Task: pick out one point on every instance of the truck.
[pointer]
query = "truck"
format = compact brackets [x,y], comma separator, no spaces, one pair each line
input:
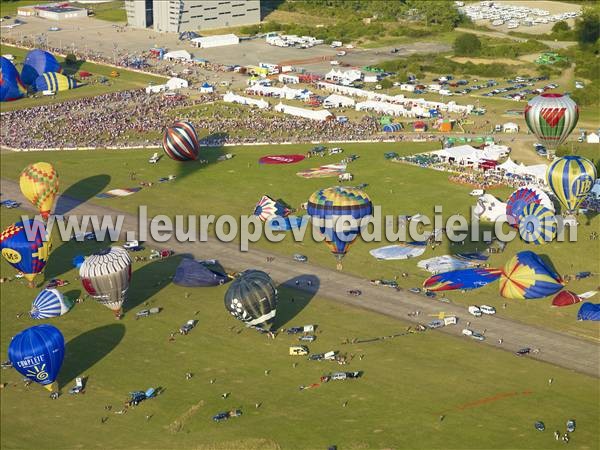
[451,320]
[475,311]
[298,350]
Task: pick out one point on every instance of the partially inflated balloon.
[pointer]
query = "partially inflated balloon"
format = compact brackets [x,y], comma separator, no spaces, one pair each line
[106,275]
[252,298]
[36,63]
[37,353]
[527,276]
[551,117]
[11,86]
[338,212]
[50,303]
[180,142]
[521,198]
[39,185]
[26,247]
[571,178]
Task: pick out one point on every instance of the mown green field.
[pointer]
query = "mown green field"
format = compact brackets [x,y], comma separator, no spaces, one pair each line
[421,390]
[234,186]
[127,80]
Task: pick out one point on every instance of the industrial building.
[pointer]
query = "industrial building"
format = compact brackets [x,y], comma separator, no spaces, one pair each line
[177,16]
[53,11]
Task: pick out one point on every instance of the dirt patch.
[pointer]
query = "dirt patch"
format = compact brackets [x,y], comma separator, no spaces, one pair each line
[495,398]
[177,425]
[465,59]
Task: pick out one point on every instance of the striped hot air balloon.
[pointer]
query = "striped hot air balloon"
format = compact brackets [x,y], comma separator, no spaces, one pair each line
[571,178]
[252,298]
[537,224]
[106,275]
[55,82]
[527,276]
[39,185]
[268,208]
[519,199]
[50,303]
[180,142]
[337,212]
[551,117]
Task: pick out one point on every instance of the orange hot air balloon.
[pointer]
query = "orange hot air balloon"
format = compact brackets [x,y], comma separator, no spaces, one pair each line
[39,185]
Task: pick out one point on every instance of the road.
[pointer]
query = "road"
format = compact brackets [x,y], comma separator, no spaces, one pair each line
[556,348]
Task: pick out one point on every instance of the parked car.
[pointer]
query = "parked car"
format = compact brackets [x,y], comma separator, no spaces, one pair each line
[467,332]
[474,310]
[188,326]
[56,282]
[389,283]
[307,338]
[355,292]
[415,290]
[298,350]
[437,323]
[486,309]
[339,376]
[478,336]
[523,351]
[299,258]
[10,204]
[295,330]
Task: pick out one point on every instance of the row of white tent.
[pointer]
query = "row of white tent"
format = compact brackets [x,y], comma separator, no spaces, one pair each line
[395,99]
[230,97]
[537,171]
[280,92]
[319,115]
[467,155]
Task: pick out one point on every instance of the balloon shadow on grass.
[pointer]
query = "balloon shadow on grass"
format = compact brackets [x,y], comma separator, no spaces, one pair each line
[87,349]
[80,192]
[61,259]
[294,295]
[150,279]
[211,149]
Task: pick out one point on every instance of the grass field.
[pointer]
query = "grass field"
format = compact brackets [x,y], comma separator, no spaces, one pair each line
[111,11]
[488,398]
[234,186]
[127,80]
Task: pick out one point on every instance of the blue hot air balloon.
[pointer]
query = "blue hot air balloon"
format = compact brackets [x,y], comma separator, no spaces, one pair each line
[77,261]
[37,353]
[36,63]
[27,254]
[471,278]
[11,86]
[50,303]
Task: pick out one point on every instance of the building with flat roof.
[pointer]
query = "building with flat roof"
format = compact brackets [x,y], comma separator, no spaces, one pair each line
[177,16]
[53,11]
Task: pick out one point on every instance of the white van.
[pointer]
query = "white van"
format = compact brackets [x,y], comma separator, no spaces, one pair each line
[339,376]
[451,320]
[475,311]
[486,309]
[467,332]
[48,93]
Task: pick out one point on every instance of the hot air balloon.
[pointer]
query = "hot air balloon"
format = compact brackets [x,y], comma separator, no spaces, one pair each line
[565,298]
[37,353]
[337,212]
[50,303]
[27,254]
[180,142]
[39,185]
[519,199]
[11,86]
[551,117]
[252,298]
[472,278]
[55,82]
[589,311]
[106,275]
[527,276]
[571,178]
[537,224]
[267,208]
[36,63]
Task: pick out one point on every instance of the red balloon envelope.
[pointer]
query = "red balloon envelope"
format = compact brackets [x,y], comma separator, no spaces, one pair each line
[281,159]
[565,298]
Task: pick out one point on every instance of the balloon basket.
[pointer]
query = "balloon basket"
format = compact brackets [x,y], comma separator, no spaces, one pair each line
[119,314]
[31,284]
[339,266]
[52,387]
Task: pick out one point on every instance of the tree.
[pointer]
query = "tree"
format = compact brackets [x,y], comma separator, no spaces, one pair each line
[70,59]
[467,44]
[560,27]
[587,27]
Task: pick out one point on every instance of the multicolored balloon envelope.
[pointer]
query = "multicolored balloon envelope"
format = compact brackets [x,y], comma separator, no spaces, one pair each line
[106,275]
[537,224]
[37,353]
[519,199]
[281,159]
[39,185]
[26,247]
[287,223]
[36,63]
[461,279]
[337,212]
[50,303]
[551,117]
[252,298]
[527,276]
[180,142]
[267,208]
[11,86]
[565,298]
[571,178]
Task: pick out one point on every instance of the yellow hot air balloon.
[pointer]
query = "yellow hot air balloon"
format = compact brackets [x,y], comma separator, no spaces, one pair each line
[39,185]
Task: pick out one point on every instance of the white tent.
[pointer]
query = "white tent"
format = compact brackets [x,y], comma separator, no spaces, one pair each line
[463,154]
[537,171]
[230,97]
[592,138]
[288,78]
[178,55]
[319,115]
[510,127]
[509,166]
[495,152]
[338,101]
[207,88]
[489,208]
[218,40]
[176,83]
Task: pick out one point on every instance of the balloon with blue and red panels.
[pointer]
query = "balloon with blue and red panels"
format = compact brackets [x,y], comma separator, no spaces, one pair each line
[527,276]
[472,278]
[37,353]
[519,199]
[26,246]
[180,142]
[267,208]
[338,213]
